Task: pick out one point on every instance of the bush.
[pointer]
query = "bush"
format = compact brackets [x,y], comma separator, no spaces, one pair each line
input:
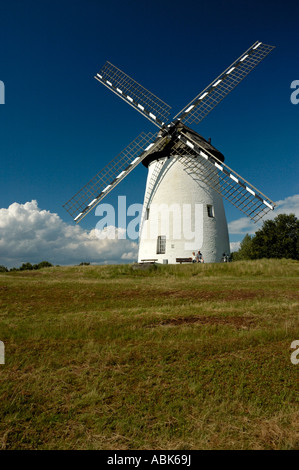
[26,267]
[44,264]
[30,267]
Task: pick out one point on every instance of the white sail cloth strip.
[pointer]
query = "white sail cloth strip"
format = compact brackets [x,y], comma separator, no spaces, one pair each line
[222,178]
[148,104]
[207,99]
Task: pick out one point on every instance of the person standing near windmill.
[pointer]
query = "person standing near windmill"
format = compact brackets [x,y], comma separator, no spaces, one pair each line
[199,257]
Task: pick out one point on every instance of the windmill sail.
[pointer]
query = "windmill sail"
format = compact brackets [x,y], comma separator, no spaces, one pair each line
[208,168]
[134,94]
[109,177]
[203,103]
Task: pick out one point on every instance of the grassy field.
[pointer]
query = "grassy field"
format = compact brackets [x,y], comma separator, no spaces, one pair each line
[174,357]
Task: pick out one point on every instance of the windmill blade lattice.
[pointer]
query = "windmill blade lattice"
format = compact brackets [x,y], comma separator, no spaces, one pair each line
[106,180]
[221,178]
[134,94]
[203,103]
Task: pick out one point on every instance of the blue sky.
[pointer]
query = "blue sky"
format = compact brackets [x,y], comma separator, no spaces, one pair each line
[59,126]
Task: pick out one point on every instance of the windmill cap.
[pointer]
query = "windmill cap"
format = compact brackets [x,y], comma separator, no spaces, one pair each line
[166,151]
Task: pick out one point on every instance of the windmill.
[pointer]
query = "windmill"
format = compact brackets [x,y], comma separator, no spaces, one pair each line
[187,175]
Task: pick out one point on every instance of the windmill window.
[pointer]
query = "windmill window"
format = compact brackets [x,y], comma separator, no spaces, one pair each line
[161,244]
[147,213]
[210,210]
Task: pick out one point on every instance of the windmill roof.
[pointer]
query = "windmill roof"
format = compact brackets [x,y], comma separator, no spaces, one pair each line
[166,151]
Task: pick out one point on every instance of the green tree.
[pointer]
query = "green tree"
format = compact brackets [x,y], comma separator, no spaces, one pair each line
[26,267]
[3,269]
[277,238]
[44,264]
[244,250]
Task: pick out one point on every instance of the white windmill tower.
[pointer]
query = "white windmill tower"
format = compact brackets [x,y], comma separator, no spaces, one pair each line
[187,177]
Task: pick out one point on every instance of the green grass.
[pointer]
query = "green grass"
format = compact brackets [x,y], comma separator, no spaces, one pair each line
[174,357]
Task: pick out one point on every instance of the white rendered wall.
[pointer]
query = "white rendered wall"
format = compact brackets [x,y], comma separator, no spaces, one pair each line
[181,193]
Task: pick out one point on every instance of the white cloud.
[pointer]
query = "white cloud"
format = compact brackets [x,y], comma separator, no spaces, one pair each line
[242,226]
[29,234]
[128,256]
[289,205]
[234,246]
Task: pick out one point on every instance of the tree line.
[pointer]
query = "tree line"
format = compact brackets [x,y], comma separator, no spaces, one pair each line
[27,267]
[30,267]
[278,238]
